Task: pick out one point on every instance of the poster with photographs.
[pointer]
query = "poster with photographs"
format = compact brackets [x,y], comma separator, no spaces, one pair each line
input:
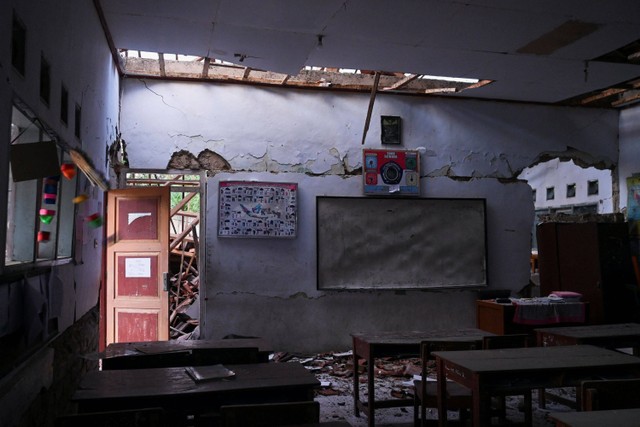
[257,209]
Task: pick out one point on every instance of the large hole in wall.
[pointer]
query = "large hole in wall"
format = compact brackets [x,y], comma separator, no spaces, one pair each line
[569,183]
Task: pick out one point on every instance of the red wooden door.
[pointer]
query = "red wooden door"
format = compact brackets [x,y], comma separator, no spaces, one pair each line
[137,305]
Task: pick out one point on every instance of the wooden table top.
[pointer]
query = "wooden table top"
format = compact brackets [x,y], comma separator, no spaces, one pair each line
[175,381]
[415,337]
[594,331]
[158,347]
[614,417]
[537,358]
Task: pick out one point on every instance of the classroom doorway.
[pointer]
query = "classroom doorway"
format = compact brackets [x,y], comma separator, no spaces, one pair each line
[185,281]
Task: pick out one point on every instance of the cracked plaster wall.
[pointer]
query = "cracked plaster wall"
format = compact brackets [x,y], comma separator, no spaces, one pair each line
[267,287]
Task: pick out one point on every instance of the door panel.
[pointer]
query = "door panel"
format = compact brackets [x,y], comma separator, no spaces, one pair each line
[137,257]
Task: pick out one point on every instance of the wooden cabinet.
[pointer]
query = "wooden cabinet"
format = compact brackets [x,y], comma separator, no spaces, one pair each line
[500,319]
[497,318]
[593,259]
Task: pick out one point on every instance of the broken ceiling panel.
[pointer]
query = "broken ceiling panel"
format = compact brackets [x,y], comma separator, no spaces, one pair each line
[473,39]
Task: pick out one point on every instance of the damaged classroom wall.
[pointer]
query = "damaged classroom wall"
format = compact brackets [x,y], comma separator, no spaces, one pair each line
[267,287]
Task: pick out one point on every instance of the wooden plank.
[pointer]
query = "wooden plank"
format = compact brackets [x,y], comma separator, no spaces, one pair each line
[372,98]
[402,82]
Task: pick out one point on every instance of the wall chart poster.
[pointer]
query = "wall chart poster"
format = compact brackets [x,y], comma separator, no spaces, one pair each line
[257,209]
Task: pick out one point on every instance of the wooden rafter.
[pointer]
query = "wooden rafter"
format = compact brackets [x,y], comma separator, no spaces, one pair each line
[372,98]
[205,67]
[163,71]
[604,94]
[402,82]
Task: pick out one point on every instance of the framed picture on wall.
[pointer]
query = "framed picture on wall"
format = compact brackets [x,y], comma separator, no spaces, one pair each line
[253,209]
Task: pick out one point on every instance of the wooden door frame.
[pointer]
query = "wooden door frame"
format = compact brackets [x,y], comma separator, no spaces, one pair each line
[201,252]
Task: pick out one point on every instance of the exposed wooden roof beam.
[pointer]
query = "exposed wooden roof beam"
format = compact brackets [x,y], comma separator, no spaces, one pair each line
[247,71]
[372,98]
[205,67]
[633,97]
[604,94]
[163,72]
[402,82]
[285,80]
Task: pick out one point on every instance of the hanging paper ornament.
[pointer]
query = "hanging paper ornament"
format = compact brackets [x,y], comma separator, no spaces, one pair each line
[50,199]
[94,220]
[46,215]
[79,199]
[43,236]
[50,188]
[68,170]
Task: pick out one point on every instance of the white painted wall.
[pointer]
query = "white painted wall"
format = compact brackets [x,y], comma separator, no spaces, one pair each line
[267,287]
[70,37]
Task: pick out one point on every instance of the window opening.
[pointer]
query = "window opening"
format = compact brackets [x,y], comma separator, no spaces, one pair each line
[64,105]
[18,45]
[571,190]
[551,193]
[592,188]
[78,121]
[45,80]
[40,211]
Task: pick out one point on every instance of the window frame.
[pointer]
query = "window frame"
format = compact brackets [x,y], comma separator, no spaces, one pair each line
[60,249]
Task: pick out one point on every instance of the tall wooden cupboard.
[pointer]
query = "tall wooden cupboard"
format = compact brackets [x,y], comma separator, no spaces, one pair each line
[594,259]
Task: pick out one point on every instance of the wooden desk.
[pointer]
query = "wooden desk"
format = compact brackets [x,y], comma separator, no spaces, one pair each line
[488,372]
[380,344]
[191,351]
[619,335]
[173,389]
[613,417]
[499,319]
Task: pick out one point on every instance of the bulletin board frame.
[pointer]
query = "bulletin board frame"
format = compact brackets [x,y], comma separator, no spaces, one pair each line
[257,209]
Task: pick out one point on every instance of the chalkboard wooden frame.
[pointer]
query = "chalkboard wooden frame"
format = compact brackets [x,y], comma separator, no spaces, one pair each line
[400,243]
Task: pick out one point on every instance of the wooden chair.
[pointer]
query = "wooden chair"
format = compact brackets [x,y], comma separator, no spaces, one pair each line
[270,414]
[148,417]
[195,357]
[425,394]
[510,341]
[610,394]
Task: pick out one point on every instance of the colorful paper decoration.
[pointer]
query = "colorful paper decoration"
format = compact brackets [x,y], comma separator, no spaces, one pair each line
[43,236]
[50,189]
[95,220]
[50,199]
[68,170]
[79,199]
[46,215]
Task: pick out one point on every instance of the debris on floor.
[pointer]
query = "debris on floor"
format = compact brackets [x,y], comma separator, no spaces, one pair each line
[393,379]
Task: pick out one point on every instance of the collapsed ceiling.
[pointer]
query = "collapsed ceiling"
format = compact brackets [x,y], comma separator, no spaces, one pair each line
[568,53]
